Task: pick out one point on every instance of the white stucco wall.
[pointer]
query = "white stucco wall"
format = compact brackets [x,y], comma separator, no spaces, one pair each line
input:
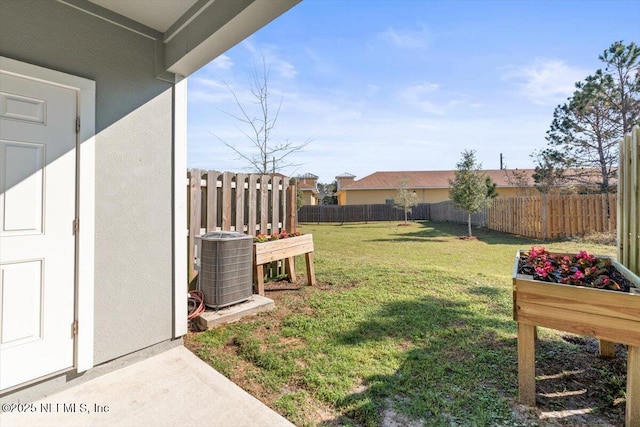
[133,274]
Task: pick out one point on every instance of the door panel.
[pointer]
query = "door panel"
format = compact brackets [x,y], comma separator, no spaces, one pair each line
[21,299]
[37,243]
[23,182]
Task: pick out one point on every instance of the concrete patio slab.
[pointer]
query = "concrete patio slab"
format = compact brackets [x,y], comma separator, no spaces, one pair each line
[174,388]
[212,318]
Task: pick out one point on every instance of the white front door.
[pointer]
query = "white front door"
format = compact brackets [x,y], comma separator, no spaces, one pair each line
[37,240]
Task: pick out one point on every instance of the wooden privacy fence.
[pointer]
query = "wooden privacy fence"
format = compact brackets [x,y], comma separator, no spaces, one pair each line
[538,217]
[629,201]
[360,213]
[553,217]
[248,203]
[445,211]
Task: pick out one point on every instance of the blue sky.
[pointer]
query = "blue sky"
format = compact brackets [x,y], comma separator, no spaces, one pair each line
[406,85]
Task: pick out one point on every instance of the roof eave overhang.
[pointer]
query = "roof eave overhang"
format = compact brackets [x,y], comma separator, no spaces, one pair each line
[219,25]
[207,30]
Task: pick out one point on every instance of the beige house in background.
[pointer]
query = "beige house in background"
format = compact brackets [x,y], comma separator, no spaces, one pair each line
[308,185]
[430,186]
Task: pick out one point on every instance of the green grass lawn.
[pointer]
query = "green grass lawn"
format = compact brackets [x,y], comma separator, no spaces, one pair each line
[409,323]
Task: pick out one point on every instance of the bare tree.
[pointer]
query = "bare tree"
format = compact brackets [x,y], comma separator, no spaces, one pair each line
[262,154]
[520,180]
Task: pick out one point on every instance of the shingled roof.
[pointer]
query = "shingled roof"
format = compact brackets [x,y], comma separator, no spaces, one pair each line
[429,179]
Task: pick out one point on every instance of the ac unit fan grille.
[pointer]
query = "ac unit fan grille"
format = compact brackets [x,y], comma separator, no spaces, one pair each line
[226,270]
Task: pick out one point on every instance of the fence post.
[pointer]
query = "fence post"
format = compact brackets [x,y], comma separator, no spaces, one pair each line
[239,202]
[629,201]
[264,204]
[212,200]
[252,220]
[226,200]
[292,196]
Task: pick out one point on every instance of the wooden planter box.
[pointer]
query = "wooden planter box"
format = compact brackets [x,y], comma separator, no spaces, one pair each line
[607,315]
[283,249]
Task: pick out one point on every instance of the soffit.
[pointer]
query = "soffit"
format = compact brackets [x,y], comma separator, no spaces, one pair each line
[157,14]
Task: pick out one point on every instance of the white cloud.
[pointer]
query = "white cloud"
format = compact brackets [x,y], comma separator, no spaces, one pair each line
[272,59]
[405,38]
[424,96]
[546,82]
[222,62]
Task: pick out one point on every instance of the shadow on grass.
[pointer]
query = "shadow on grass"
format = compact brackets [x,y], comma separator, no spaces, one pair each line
[459,367]
[488,291]
[454,367]
[437,231]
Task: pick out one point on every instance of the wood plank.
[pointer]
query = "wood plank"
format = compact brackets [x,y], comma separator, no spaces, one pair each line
[624,199]
[575,213]
[606,348]
[264,204]
[586,300]
[544,208]
[604,212]
[632,415]
[227,179]
[634,208]
[581,213]
[253,204]
[311,271]
[275,203]
[613,206]
[259,289]
[290,268]
[266,252]
[291,208]
[287,252]
[608,328]
[526,365]
[239,202]
[212,200]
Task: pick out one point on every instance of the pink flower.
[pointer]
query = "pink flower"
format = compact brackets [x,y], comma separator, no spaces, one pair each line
[577,275]
[541,272]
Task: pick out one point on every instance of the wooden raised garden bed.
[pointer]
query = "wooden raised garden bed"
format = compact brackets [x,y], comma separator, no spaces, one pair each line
[283,249]
[611,316]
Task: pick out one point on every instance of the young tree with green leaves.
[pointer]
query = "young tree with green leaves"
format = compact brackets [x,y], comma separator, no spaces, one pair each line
[405,199]
[492,188]
[470,188]
[299,199]
[327,193]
